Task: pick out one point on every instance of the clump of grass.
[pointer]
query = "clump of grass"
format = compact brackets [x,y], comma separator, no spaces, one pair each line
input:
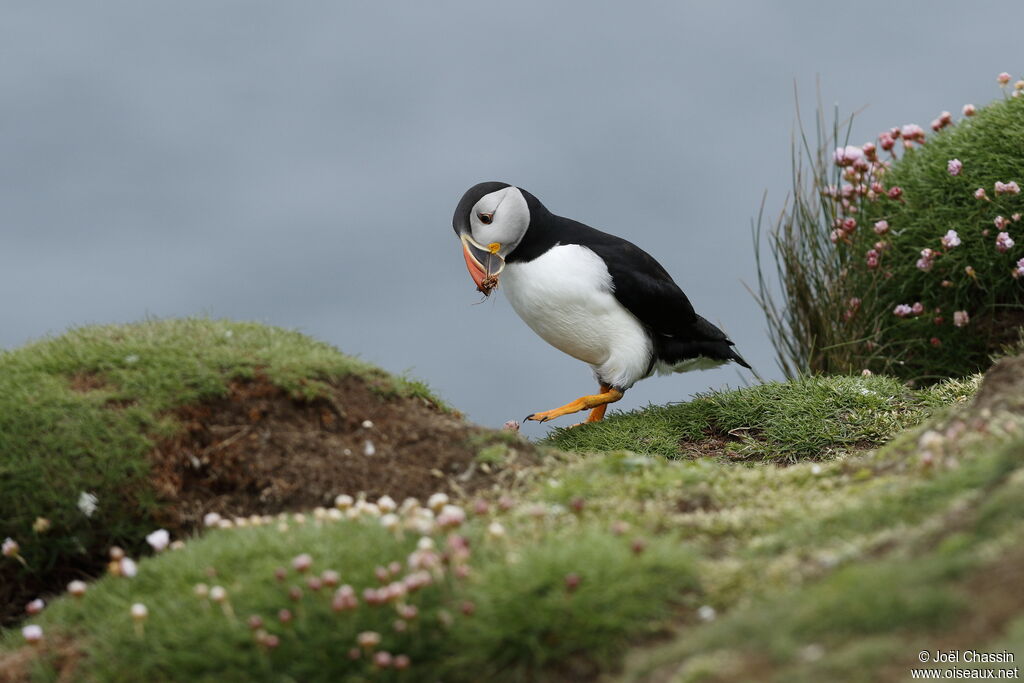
[471,602]
[813,417]
[893,262]
[80,412]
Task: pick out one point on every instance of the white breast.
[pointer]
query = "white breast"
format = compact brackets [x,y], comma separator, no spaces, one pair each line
[565,296]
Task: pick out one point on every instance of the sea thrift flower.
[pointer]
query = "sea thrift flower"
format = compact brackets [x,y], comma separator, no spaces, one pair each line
[41,525]
[382,660]
[954,166]
[927,260]
[77,588]
[1003,78]
[284,616]
[849,225]
[32,633]
[35,607]
[387,504]
[401,662]
[935,341]
[496,530]
[437,501]
[511,426]
[139,612]
[980,193]
[302,562]
[128,568]
[343,502]
[970,110]
[572,581]
[1004,242]
[367,424]
[912,133]
[368,640]
[870,151]
[882,227]
[886,141]
[218,594]
[159,539]
[951,239]
[451,516]
[845,156]
[10,547]
[1000,222]
[1020,267]
[917,308]
[960,318]
[369,449]
[895,192]
[872,258]
[902,311]
[638,546]
[1007,188]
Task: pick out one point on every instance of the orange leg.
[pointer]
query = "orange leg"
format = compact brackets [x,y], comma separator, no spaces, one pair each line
[598,403]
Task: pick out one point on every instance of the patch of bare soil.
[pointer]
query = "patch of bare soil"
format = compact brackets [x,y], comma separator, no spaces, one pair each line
[260,450]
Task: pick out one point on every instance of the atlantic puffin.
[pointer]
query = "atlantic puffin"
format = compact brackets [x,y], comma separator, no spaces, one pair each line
[594,296]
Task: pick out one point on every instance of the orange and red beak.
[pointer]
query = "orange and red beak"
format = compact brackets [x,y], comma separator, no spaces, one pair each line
[484,263]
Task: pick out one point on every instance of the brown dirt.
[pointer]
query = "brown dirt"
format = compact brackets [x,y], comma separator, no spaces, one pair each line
[260,450]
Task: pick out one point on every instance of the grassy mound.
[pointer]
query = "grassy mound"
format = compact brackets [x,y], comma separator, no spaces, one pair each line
[107,433]
[695,569]
[815,417]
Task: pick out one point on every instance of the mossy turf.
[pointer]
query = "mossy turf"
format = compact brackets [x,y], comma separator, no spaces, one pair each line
[991,147]
[80,412]
[814,417]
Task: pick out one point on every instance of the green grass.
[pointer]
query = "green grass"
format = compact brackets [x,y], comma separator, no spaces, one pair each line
[524,617]
[837,568]
[58,441]
[815,417]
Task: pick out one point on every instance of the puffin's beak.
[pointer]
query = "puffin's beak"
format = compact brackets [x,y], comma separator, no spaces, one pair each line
[484,263]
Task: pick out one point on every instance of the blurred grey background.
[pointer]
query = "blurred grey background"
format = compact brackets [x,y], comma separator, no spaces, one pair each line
[298,163]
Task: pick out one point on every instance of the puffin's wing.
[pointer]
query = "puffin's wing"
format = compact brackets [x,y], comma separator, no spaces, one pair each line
[644,287]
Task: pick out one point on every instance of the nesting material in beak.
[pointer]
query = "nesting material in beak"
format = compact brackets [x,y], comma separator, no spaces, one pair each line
[484,263]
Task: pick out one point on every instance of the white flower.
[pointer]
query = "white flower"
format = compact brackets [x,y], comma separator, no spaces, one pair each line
[211,519]
[367,424]
[139,611]
[369,449]
[387,504]
[495,530]
[951,239]
[437,501]
[390,521]
[159,540]
[87,503]
[343,502]
[77,588]
[218,594]
[10,547]
[128,567]
[707,613]
[33,633]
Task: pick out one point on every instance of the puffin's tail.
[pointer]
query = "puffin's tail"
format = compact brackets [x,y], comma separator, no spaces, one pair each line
[703,341]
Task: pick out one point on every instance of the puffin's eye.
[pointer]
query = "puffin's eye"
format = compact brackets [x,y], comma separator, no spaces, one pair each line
[486,218]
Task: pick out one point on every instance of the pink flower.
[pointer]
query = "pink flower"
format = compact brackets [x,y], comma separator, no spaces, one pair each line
[946,119]
[35,607]
[960,318]
[882,227]
[1000,222]
[1007,188]
[32,633]
[980,193]
[872,258]
[511,426]
[1004,242]
[845,156]
[886,141]
[970,110]
[917,308]
[954,166]
[951,239]
[895,192]
[302,562]
[1020,267]
[912,132]
[870,151]
[902,311]
[927,260]
[1003,78]
[849,225]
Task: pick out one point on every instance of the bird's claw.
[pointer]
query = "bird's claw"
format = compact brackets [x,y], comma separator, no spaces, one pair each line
[533,416]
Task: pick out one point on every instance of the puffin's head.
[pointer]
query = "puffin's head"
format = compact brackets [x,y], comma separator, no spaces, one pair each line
[490,220]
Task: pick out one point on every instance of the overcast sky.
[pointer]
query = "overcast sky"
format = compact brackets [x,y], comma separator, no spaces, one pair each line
[298,163]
